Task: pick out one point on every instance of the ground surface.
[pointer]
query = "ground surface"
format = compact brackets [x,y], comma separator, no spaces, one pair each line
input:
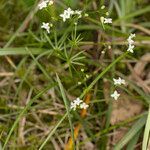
[40,74]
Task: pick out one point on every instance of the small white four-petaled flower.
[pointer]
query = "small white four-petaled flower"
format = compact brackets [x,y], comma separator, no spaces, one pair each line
[67,14]
[118,81]
[78,12]
[107,20]
[45,3]
[84,106]
[42,5]
[51,2]
[115,95]
[46,26]
[73,106]
[78,101]
[130,43]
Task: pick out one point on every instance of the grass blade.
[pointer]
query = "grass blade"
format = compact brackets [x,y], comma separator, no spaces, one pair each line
[146,132]
[24,111]
[52,132]
[133,141]
[131,133]
[67,107]
[134,14]
[20,51]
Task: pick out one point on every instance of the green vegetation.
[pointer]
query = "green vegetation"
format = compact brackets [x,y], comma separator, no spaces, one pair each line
[42,73]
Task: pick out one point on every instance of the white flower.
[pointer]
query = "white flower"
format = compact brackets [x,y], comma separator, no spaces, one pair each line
[67,14]
[75,103]
[78,101]
[115,95]
[51,2]
[130,48]
[132,35]
[78,12]
[46,26]
[103,52]
[130,43]
[84,106]
[42,5]
[64,17]
[73,106]
[45,3]
[69,11]
[118,81]
[107,20]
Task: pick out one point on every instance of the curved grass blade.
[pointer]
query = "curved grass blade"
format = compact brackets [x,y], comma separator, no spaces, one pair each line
[52,132]
[131,133]
[146,132]
[67,107]
[132,143]
[24,111]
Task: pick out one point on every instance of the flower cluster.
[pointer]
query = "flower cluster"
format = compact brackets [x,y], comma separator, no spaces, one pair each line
[130,43]
[105,20]
[77,103]
[45,3]
[69,12]
[118,81]
[66,14]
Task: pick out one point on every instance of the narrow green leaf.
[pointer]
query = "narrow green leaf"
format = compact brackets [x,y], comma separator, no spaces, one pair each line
[24,111]
[20,51]
[134,14]
[146,132]
[131,133]
[67,107]
[52,132]
[133,141]
[40,66]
